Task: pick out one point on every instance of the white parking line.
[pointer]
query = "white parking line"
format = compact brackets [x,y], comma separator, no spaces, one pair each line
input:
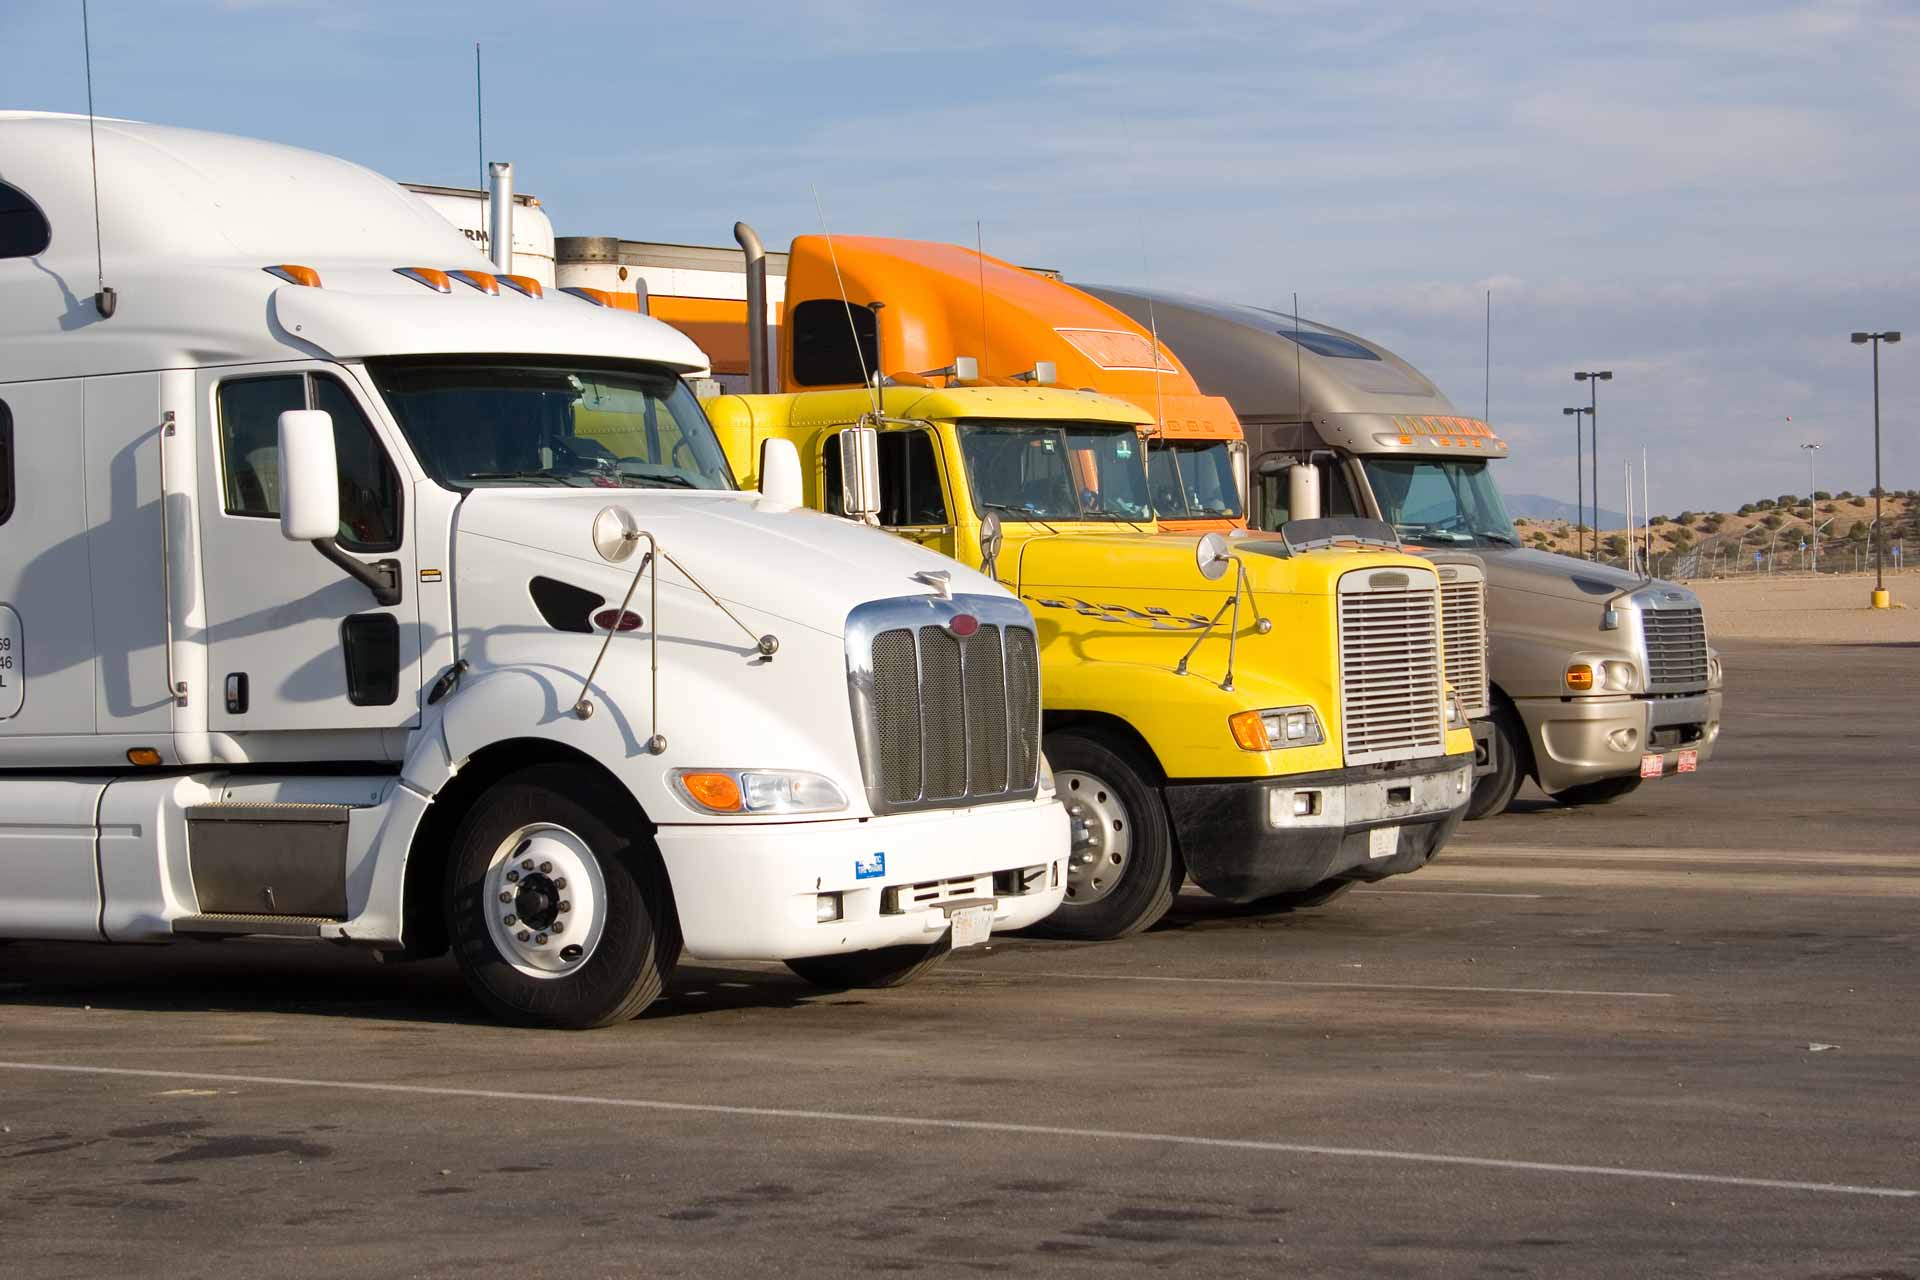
[1447,893]
[982,1126]
[951,970]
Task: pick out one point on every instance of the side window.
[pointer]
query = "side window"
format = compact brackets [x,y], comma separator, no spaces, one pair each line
[910,480]
[24,232]
[1336,496]
[6,463]
[827,352]
[250,410]
[1163,477]
[830,486]
[369,486]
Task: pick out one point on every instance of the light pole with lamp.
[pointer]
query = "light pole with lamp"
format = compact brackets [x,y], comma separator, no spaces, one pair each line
[1813,505]
[1593,378]
[1880,600]
[1579,481]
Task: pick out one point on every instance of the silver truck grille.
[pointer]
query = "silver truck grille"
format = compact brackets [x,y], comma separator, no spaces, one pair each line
[1676,647]
[1392,695]
[1463,620]
[942,719]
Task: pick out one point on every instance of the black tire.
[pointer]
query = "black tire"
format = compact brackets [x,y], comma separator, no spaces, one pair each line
[1318,895]
[639,942]
[870,970]
[1495,792]
[1112,770]
[1605,791]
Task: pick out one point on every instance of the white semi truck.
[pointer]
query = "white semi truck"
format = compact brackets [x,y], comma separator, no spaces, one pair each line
[352,592]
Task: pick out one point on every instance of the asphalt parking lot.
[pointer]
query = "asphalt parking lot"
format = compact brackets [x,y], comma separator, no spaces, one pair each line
[1678,1036]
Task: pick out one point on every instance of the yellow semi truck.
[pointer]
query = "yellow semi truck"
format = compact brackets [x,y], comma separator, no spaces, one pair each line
[1277,728]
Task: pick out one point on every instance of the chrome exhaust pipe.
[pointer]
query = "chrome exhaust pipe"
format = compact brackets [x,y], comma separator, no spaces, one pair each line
[500,215]
[758,382]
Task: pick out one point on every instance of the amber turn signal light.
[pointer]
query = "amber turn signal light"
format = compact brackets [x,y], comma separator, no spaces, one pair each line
[1249,731]
[716,791]
[1580,677]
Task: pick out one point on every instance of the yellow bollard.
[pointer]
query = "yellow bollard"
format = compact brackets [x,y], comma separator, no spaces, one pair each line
[1881,600]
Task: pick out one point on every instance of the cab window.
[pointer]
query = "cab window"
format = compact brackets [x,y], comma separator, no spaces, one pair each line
[249,416]
[910,492]
[6,463]
[1336,495]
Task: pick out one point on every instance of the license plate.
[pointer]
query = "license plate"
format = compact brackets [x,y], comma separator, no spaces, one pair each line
[971,925]
[1689,761]
[1383,842]
[1650,766]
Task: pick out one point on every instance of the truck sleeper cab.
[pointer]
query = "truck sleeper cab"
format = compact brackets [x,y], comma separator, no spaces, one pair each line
[355,592]
[1597,678]
[1275,729]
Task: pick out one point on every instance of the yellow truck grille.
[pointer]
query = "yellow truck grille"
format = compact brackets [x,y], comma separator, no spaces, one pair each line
[1392,695]
[944,719]
[1463,621]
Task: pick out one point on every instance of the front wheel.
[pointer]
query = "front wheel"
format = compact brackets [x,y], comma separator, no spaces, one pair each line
[1493,792]
[867,970]
[1605,791]
[558,903]
[1122,871]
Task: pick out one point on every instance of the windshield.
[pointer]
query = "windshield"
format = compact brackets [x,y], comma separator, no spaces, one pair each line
[1192,479]
[1430,501]
[1055,471]
[609,426]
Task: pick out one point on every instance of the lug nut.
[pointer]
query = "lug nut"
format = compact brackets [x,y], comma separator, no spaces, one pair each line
[526,864]
[511,921]
[559,926]
[566,906]
[524,935]
[561,883]
[546,868]
[506,895]
[540,939]
[512,876]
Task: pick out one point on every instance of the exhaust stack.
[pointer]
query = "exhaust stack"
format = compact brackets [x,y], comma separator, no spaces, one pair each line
[500,215]
[758,382]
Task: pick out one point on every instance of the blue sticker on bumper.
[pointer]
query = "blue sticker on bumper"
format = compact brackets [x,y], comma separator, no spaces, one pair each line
[870,867]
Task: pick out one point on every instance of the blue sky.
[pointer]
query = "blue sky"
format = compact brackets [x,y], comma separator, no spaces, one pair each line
[1705,198]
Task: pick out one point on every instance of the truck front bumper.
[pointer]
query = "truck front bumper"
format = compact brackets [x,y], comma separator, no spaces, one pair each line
[1577,740]
[1248,840]
[755,891]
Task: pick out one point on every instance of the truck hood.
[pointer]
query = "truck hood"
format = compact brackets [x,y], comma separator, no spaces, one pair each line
[1165,563]
[793,564]
[1542,573]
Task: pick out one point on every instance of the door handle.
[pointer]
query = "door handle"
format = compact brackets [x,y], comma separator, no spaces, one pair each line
[237,693]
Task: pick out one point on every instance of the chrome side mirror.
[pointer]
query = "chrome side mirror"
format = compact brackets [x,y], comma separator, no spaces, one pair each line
[992,538]
[860,473]
[1210,556]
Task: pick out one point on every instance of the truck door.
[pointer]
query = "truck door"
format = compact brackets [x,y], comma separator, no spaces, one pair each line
[913,495]
[293,642]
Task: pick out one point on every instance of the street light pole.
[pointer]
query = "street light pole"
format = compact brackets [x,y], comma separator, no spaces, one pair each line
[1579,481]
[1813,507]
[1880,600]
[1593,378]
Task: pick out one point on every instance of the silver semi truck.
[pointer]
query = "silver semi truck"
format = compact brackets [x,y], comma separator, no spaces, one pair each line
[1599,679]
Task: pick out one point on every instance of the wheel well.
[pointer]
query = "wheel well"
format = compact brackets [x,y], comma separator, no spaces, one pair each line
[1107,726]
[423,919]
[1499,700]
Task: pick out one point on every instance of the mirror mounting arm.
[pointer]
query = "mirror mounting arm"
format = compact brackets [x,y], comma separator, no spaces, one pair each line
[382,577]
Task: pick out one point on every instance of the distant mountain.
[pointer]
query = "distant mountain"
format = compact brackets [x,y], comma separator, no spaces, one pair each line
[1536,507]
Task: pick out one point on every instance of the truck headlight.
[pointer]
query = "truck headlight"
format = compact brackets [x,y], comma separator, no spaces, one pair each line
[1277,728]
[1619,676]
[757,791]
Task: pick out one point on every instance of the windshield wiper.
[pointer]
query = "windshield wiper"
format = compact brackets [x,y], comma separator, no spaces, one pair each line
[671,481]
[547,476]
[1501,537]
[1022,513]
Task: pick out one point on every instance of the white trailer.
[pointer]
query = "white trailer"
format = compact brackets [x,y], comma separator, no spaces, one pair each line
[351,592]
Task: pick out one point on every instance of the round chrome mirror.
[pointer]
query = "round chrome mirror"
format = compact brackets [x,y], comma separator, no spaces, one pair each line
[615,534]
[992,537]
[1210,554]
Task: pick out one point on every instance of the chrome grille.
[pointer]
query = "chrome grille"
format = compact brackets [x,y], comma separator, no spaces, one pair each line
[1463,622]
[943,719]
[1392,696]
[1676,647]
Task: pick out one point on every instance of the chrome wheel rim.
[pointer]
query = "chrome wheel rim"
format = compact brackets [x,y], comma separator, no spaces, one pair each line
[546,901]
[1102,830]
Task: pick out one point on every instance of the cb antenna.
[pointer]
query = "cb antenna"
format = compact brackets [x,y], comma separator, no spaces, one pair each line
[106,300]
[1146,270]
[1299,387]
[980,261]
[1486,382]
[853,330]
[480,115]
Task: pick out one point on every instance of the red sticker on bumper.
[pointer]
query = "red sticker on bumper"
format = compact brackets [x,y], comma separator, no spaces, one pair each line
[1689,761]
[1650,766]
